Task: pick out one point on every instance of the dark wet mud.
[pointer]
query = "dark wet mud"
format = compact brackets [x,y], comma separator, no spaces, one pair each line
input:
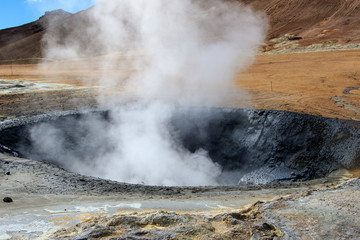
[252,146]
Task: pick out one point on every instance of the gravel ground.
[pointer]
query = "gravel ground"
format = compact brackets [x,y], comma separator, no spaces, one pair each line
[47,198]
[51,203]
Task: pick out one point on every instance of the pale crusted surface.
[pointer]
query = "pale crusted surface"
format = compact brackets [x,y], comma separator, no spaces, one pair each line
[326,214]
[46,198]
[322,83]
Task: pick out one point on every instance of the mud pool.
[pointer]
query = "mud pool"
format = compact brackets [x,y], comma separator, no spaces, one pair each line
[251,146]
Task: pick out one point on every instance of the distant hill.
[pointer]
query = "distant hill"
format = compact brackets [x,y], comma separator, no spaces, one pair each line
[309,21]
[25,41]
[315,21]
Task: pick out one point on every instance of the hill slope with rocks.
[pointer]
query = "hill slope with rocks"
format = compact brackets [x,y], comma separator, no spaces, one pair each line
[306,22]
[313,21]
[25,41]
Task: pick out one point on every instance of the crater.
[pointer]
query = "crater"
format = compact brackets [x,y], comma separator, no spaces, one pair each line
[251,146]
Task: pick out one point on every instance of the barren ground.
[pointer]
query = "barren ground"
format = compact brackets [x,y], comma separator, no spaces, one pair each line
[320,83]
[293,74]
[317,83]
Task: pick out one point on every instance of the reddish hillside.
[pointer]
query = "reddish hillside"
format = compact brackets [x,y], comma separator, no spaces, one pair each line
[314,21]
[25,41]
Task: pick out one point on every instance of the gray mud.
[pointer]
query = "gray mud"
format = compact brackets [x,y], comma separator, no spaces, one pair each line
[252,146]
[50,202]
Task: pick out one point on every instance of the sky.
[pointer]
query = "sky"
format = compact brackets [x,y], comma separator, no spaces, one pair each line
[18,12]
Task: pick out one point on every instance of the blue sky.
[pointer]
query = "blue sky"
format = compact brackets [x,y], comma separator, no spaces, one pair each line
[18,12]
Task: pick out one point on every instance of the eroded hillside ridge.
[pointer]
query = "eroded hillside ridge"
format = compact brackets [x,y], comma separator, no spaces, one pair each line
[306,22]
[313,21]
[24,41]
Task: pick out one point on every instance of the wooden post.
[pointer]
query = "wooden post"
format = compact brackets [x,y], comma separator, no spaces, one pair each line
[271,85]
[12,73]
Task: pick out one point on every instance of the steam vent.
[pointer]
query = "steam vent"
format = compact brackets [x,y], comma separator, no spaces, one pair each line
[180,119]
[251,146]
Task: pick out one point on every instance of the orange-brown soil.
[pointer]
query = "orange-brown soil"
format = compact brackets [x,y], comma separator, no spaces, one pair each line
[305,21]
[314,21]
[319,83]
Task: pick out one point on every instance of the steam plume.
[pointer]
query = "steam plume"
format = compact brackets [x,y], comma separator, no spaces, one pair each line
[184,53]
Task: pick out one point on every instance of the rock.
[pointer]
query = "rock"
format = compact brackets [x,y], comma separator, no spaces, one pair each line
[125,220]
[237,216]
[294,38]
[129,238]
[59,13]
[7,199]
[96,232]
[165,219]
[231,218]
[267,227]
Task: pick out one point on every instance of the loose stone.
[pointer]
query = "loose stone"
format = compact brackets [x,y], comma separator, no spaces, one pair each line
[7,200]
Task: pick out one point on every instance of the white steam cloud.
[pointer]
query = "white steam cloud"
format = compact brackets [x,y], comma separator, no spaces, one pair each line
[187,52]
